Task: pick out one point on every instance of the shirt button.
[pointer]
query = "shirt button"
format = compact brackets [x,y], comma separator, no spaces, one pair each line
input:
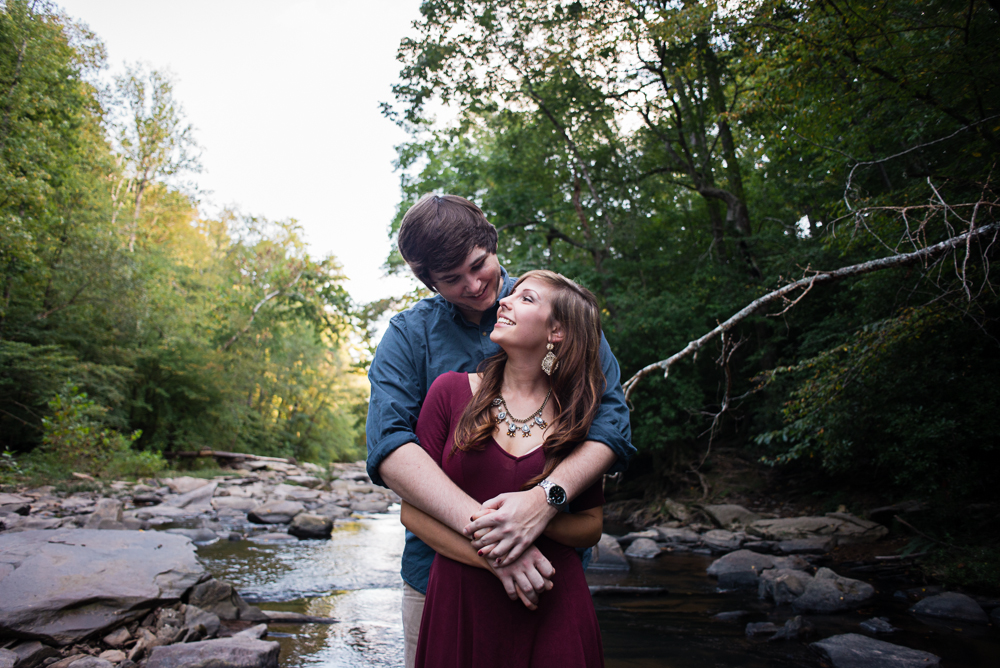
[484,333]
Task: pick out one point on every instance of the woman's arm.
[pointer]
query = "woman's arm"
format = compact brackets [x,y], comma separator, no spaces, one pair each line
[582,529]
[442,540]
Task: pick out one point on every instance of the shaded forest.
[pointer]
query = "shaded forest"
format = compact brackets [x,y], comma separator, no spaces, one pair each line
[823,171]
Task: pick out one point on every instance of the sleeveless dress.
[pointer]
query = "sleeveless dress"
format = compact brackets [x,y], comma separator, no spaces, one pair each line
[468,620]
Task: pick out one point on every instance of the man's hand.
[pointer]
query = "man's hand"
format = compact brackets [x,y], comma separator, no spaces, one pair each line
[526,577]
[516,520]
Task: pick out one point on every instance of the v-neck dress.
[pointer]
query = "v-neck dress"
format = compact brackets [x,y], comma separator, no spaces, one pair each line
[468,620]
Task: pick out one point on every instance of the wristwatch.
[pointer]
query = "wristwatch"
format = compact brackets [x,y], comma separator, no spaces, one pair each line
[555,495]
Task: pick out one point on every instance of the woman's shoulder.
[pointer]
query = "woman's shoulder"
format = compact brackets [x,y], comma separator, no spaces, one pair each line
[450,383]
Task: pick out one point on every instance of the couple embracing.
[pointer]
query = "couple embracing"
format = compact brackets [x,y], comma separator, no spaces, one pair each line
[495,409]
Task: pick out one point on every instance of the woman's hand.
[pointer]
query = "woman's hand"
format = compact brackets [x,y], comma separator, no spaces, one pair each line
[526,577]
[516,521]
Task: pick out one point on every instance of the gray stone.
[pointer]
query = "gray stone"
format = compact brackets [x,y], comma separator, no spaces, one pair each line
[275,512]
[794,628]
[738,580]
[853,650]
[951,605]
[32,653]
[676,510]
[745,560]
[113,655]
[147,499]
[158,512]
[305,480]
[369,506]
[117,638]
[629,538]
[91,662]
[782,585]
[878,625]
[307,525]
[333,512]
[205,623]
[847,528]
[256,632]
[760,546]
[755,629]
[678,536]
[643,548]
[728,516]
[65,585]
[608,556]
[105,509]
[220,598]
[829,592]
[184,484]
[7,658]
[197,536]
[197,500]
[720,540]
[15,503]
[221,653]
[41,523]
[818,545]
[242,503]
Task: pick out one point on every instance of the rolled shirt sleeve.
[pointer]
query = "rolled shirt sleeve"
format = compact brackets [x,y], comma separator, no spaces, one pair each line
[611,425]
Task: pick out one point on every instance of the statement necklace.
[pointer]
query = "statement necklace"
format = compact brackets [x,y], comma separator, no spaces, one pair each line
[527,423]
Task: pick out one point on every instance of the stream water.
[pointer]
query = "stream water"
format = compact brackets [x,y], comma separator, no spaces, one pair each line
[354,577]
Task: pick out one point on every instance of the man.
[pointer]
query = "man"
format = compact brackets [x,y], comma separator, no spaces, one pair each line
[450,246]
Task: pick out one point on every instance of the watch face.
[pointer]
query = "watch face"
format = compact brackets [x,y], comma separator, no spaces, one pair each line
[557,495]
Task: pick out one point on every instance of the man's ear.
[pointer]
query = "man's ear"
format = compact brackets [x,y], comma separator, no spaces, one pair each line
[557,334]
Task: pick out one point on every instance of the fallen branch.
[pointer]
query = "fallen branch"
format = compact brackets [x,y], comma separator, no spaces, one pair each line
[807,283]
[234,456]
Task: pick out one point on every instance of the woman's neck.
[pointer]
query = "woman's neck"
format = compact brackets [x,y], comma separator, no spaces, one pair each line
[524,377]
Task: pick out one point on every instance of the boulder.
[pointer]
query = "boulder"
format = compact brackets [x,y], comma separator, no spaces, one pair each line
[782,585]
[305,480]
[105,509]
[196,501]
[242,503]
[727,516]
[951,605]
[307,525]
[607,556]
[678,536]
[15,503]
[275,512]
[720,540]
[746,560]
[878,625]
[222,653]
[629,538]
[64,585]
[32,653]
[220,598]
[200,622]
[794,628]
[643,548]
[677,511]
[369,506]
[256,632]
[829,592]
[847,528]
[184,484]
[853,650]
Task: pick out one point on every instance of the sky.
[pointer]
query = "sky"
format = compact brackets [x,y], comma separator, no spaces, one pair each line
[284,100]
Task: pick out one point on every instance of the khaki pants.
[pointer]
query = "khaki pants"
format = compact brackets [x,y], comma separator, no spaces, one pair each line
[413,610]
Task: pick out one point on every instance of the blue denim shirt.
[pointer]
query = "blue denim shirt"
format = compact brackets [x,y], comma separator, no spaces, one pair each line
[429,339]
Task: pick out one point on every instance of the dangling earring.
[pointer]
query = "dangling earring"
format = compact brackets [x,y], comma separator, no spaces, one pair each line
[550,362]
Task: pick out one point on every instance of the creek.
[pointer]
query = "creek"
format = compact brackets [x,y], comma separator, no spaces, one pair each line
[354,577]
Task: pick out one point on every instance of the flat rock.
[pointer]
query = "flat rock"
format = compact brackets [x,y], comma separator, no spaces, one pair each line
[275,512]
[727,516]
[197,536]
[608,555]
[184,484]
[32,653]
[794,628]
[629,538]
[222,653]
[678,536]
[878,625]
[241,503]
[747,560]
[853,650]
[369,506]
[720,540]
[305,480]
[7,658]
[160,511]
[643,548]
[197,500]
[817,545]
[65,585]
[847,528]
[221,599]
[829,592]
[308,525]
[272,538]
[257,631]
[951,605]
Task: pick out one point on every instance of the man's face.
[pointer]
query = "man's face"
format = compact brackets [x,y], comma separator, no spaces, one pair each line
[474,285]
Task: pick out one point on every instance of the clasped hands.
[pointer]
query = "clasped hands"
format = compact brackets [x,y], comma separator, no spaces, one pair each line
[503,531]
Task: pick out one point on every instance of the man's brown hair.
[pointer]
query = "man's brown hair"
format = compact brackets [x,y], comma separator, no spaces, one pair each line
[440,231]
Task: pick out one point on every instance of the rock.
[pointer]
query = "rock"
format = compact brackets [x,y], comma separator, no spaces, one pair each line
[741,560]
[106,509]
[196,501]
[818,545]
[306,525]
[951,605]
[369,506]
[272,538]
[608,556]
[204,623]
[235,502]
[730,616]
[282,617]
[197,536]
[32,653]
[727,516]
[112,655]
[222,653]
[305,480]
[44,523]
[794,628]
[829,592]
[782,585]
[15,503]
[220,598]
[256,632]
[293,493]
[760,546]
[68,584]
[720,540]
[853,650]
[738,580]
[332,512]
[755,629]
[118,637]
[678,536]
[84,662]
[878,625]
[676,510]
[184,484]
[158,512]
[275,512]
[146,499]
[7,658]
[629,538]
[852,530]
[643,548]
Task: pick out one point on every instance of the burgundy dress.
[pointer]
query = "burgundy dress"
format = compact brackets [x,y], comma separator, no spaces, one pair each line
[468,619]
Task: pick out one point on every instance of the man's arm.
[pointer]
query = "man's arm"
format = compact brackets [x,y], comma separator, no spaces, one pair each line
[521,517]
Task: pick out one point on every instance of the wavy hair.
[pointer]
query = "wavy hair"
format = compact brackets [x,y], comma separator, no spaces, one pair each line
[577,385]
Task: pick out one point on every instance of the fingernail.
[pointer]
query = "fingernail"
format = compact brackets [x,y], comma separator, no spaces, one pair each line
[480,553]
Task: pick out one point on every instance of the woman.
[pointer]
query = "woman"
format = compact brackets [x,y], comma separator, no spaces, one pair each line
[549,372]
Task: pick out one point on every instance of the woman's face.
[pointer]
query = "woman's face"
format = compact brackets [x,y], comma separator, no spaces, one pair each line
[524,318]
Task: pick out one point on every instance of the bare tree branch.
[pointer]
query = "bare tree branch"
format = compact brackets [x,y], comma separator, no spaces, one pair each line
[253,314]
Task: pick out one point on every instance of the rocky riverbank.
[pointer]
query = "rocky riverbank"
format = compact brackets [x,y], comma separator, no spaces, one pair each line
[85,581]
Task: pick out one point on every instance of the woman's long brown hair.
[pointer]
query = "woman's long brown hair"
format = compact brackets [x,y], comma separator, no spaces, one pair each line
[577,385]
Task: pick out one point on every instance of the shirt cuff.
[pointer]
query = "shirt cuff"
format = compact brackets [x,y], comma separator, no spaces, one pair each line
[385,447]
[613,439]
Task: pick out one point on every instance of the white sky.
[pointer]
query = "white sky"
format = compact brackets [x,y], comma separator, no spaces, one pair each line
[284,100]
